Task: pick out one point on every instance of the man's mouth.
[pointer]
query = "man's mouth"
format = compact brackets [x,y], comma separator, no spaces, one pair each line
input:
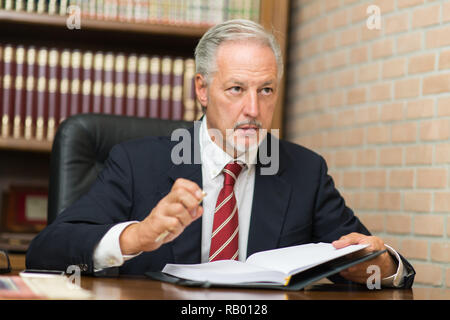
[248,129]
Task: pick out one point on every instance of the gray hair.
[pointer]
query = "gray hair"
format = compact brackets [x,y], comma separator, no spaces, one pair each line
[232,30]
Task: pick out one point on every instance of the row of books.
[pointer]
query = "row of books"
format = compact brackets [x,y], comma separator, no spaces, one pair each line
[40,87]
[145,11]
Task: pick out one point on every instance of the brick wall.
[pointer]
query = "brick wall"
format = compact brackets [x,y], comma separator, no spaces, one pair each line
[376,105]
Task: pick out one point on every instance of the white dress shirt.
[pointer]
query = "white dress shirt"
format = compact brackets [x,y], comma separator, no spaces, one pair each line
[108,253]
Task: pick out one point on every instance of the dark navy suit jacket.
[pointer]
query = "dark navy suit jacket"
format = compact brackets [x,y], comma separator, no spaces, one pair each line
[299,204]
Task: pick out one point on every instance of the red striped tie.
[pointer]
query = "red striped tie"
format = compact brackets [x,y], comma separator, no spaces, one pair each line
[225,235]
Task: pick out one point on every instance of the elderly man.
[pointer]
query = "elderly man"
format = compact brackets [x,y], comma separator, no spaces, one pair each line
[144,210]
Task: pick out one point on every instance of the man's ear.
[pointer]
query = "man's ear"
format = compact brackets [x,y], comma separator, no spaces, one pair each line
[201,89]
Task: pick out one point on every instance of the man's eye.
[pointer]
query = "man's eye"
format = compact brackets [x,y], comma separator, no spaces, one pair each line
[266,90]
[235,89]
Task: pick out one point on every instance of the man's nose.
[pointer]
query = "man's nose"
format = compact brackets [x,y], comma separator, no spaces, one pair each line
[251,107]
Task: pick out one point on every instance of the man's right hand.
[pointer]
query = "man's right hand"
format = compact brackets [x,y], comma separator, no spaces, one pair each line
[173,213]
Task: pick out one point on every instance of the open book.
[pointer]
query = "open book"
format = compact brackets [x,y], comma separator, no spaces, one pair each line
[268,268]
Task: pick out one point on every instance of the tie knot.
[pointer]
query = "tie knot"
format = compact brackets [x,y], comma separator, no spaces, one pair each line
[231,172]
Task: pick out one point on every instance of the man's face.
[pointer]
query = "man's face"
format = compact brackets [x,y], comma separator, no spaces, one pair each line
[242,94]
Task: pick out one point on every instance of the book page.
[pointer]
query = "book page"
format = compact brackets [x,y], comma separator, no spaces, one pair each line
[224,272]
[292,260]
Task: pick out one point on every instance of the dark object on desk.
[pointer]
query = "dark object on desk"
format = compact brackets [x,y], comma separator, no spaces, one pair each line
[81,146]
[298,281]
[5,264]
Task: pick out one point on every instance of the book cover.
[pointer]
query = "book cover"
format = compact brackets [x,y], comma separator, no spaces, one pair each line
[64,85]
[97,88]
[155,85]
[20,5]
[30,92]
[177,89]
[53,7]
[63,7]
[19,100]
[108,83]
[289,268]
[13,287]
[30,6]
[142,86]
[166,87]
[41,6]
[131,85]
[86,87]
[1,83]
[119,82]
[41,93]
[8,89]
[53,102]
[75,82]
[189,90]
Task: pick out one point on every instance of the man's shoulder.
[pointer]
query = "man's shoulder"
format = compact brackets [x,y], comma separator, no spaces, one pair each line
[154,146]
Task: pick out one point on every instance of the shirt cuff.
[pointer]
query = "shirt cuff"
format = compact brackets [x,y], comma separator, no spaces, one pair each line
[396,280]
[108,254]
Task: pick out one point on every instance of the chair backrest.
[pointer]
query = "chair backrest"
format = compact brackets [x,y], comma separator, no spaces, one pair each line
[81,146]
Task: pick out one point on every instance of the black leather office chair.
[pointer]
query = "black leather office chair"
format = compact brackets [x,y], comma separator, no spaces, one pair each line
[81,146]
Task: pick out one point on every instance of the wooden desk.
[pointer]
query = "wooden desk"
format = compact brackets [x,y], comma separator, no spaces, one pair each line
[145,289]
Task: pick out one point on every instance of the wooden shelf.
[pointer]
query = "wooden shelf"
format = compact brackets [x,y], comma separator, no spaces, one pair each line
[21,144]
[185,30]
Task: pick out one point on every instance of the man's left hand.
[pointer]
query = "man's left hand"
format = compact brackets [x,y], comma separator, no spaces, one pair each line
[358,273]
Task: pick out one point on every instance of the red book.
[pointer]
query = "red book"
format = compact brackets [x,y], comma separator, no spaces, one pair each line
[53,97]
[86,87]
[108,83]
[166,87]
[64,85]
[75,82]
[1,82]
[8,89]
[131,85]
[142,87]
[177,89]
[98,83]
[30,92]
[119,83]
[189,90]
[19,100]
[155,87]
[41,92]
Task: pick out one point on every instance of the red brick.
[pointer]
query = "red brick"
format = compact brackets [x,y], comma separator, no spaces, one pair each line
[440,251]
[436,83]
[407,88]
[443,153]
[432,178]
[417,201]
[415,249]
[398,223]
[417,109]
[429,225]
[426,16]
[438,129]
[405,132]
[375,179]
[429,274]
[421,63]
[442,202]
[389,201]
[401,178]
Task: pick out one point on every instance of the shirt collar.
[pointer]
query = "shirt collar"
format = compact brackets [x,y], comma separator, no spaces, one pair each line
[214,158]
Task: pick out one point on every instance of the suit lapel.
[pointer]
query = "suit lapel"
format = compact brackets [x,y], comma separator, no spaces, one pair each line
[186,247]
[270,202]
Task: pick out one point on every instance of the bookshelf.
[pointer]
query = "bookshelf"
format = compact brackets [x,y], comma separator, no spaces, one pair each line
[25,160]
